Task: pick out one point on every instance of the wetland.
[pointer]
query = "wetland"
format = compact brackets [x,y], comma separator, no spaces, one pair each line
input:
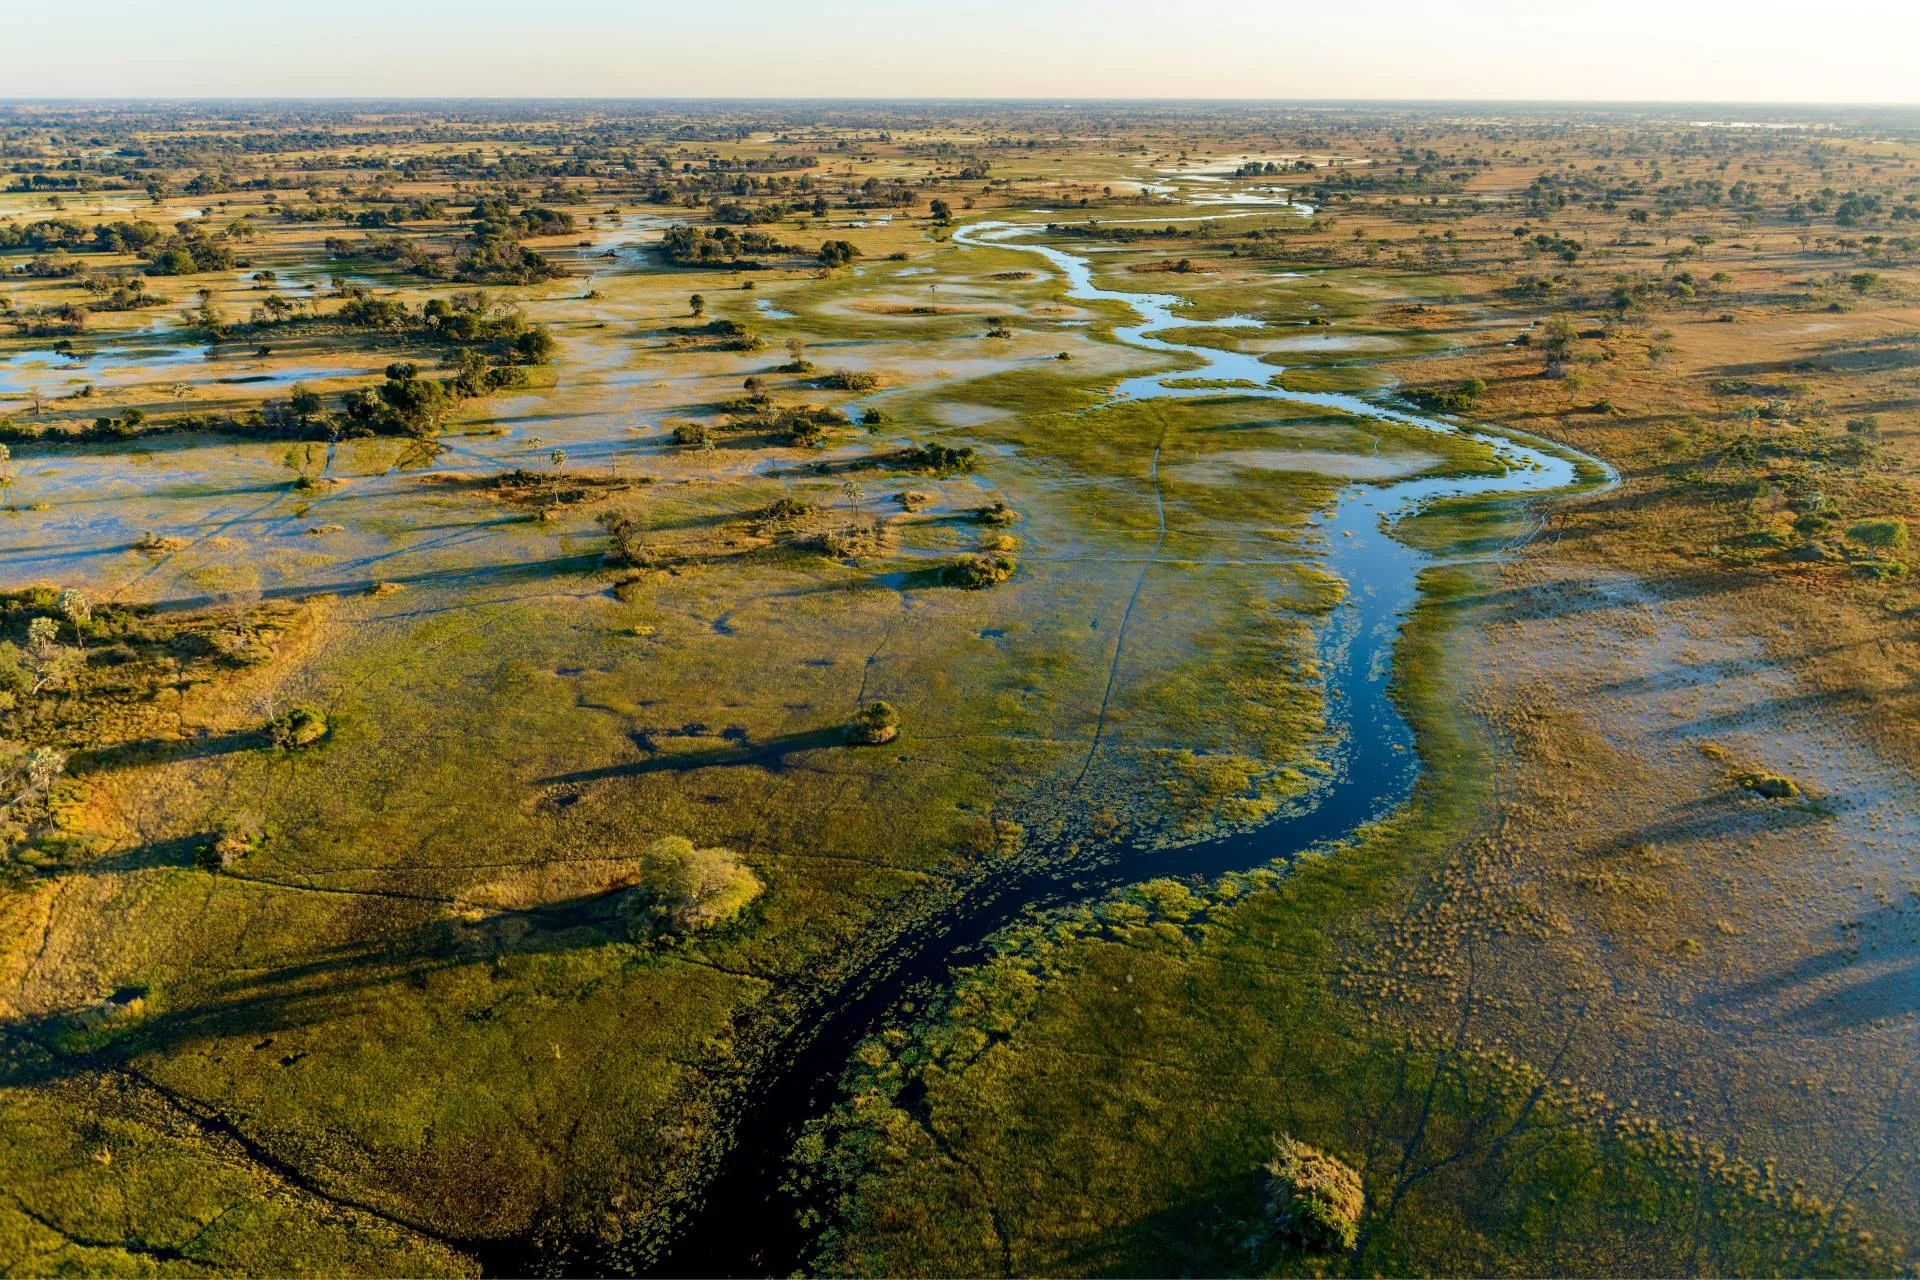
[891,689]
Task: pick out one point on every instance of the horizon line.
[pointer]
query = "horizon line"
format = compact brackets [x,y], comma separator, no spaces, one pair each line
[105,100]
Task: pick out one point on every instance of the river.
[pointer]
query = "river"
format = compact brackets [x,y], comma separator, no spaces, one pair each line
[746,1223]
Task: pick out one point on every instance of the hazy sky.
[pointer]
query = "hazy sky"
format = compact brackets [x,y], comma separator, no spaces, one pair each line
[1666,50]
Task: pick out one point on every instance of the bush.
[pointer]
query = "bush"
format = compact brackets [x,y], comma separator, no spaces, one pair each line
[1770,785]
[1880,535]
[1314,1199]
[841,380]
[877,722]
[687,889]
[301,726]
[233,840]
[997,513]
[692,435]
[975,573]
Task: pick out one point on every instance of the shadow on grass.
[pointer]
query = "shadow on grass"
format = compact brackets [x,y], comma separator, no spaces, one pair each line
[46,1048]
[552,567]
[153,751]
[771,755]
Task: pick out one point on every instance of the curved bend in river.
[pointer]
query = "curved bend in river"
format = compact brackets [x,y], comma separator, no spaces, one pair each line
[1375,772]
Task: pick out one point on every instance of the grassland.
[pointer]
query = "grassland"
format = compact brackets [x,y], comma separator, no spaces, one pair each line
[413,1019]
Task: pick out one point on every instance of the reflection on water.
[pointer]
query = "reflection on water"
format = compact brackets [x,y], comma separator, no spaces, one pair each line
[51,371]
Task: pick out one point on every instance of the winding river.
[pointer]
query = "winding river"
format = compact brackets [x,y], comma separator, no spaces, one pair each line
[746,1223]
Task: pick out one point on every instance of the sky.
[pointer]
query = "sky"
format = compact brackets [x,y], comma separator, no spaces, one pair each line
[1605,50]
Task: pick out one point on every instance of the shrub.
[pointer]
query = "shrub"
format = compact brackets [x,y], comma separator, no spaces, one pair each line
[692,435]
[786,509]
[301,726]
[975,573]
[231,841]
[1770,785]
[875,723]
[1313,1198]
[997,513]
[687,889]
[842,380]
[1880,535]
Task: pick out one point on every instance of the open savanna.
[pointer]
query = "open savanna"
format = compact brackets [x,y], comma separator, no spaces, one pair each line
[424,1014]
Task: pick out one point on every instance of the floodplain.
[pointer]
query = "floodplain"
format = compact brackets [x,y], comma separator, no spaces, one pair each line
[900,690]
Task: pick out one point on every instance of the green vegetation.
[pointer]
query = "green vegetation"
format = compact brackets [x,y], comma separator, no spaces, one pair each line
[462,764]
[1314,1198]
[687,889]
[300,726]
[876,723]
[1071,1106]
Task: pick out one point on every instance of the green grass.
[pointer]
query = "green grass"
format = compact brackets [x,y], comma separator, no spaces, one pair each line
[1099,1097]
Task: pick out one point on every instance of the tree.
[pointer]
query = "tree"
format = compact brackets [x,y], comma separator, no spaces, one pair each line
[874,724]
[26,774]
[1313,1198]
[838,253]
[942,212]
[1880,535]
[1559,338]
[77,609]
[697,304]
[305,402]
[687,889]
[48,662]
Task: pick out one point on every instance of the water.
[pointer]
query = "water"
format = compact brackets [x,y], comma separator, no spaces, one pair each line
[53,372]
[747,1223]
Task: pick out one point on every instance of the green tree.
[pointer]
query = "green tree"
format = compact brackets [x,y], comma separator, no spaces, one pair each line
[1880,535]
[77,609]
[873,724]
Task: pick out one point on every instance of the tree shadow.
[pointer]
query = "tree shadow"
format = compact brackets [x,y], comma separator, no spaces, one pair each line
[1868,984]
[46,1048]
[508,572]
[160,751]
[771,755]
